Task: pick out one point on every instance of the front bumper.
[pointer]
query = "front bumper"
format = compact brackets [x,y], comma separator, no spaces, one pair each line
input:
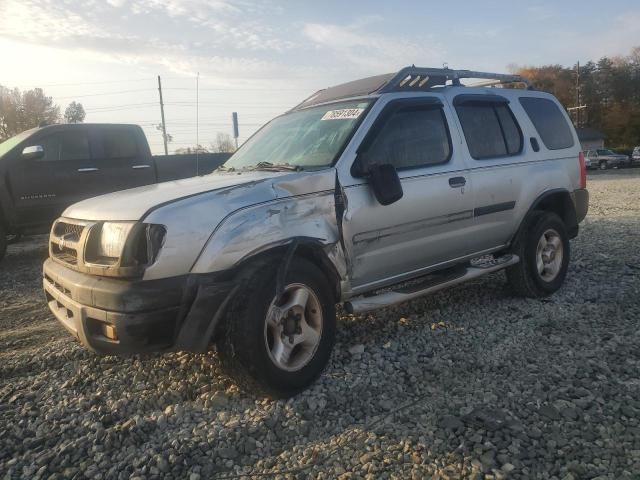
[116,316]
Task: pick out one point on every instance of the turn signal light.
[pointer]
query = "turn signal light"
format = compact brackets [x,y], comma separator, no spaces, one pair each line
[109,331]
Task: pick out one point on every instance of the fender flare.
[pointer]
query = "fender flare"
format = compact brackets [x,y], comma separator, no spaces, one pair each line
[568,206]
[311,248]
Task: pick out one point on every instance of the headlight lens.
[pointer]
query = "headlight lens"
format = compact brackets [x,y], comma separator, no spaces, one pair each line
[130,244]
[112,239]
[144,244]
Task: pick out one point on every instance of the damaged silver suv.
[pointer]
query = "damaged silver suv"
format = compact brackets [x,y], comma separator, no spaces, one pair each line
[368,194]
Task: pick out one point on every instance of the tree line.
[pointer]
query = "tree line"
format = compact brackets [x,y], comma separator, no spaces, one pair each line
[607,90]
[23,110]
[20,111]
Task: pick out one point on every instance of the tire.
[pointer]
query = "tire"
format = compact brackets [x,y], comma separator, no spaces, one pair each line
[252,351]
[525,278]
[603,165]
[3,241]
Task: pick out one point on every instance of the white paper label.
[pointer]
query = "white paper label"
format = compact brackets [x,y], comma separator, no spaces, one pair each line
[344,113]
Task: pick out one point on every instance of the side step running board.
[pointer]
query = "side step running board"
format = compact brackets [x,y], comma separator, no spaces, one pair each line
[387,298]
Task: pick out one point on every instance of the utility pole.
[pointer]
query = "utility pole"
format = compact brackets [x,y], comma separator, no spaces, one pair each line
[164,127]
[234,121]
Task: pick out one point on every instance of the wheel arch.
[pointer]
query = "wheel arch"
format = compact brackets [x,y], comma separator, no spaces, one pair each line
[311,249]
[558,201]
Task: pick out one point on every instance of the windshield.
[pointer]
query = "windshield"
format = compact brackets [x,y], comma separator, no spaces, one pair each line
[310,138]
[13,141]
[606,152]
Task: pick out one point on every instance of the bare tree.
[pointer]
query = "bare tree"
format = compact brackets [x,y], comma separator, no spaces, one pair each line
[223,144]
[161,130]
[194,149]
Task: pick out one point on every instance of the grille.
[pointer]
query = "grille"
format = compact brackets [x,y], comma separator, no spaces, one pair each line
[65,254]
[70,231]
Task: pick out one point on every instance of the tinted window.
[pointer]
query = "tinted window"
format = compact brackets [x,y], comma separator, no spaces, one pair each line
[549,122]
[411,138]
[66,146]
[119,143]
[490,129]
[512,135]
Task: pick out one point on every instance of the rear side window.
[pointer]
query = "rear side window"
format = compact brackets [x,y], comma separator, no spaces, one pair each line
[66,146]
[119,143]
[490,129]
[549,121]
[411,138]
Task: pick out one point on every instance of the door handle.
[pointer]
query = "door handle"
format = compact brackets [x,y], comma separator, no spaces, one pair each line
[88,169]
[136,167]
[534,144]
[456,182]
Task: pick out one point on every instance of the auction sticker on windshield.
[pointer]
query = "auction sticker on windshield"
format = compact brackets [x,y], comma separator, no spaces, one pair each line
[343,113]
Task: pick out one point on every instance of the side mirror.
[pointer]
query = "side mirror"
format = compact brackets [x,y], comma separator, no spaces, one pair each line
[33,153]
[385,183]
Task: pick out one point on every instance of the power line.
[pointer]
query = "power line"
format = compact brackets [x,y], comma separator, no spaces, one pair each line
[150,79]
[105,93]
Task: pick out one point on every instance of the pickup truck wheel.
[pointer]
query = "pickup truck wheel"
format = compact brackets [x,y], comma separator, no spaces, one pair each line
[543,248]
[279,346]
[3,241]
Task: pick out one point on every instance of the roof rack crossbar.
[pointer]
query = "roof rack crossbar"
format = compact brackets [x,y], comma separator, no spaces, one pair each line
[416,78]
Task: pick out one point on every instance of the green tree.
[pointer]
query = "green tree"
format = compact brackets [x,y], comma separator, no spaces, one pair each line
[21,111]
[74,113]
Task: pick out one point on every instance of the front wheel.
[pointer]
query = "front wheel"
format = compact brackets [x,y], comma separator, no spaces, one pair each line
[543,248]
[603,165]
[280,344]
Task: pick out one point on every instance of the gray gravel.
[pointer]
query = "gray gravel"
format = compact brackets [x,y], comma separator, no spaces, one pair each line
[467,383]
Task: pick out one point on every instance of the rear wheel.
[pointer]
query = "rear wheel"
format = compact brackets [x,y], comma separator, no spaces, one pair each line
[543,248]
[279,345]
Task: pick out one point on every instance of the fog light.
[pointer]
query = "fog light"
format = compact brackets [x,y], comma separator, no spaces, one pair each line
[109,331]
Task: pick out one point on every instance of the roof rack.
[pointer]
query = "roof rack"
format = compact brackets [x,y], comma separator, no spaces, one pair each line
[409,79]
[417,78]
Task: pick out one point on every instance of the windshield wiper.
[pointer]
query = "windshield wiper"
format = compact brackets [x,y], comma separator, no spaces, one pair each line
[275,166]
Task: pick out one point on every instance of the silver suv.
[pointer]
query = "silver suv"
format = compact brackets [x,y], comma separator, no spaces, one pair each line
[367,194]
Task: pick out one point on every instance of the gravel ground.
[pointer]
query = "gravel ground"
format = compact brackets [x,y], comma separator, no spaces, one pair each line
[467,383]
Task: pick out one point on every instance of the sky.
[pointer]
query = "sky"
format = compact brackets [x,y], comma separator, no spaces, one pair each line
[260,58]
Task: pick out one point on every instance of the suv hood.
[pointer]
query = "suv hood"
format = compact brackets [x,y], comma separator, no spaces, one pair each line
[135,204]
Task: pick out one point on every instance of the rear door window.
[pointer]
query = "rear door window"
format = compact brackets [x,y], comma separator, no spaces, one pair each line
[490,129]
[63,146]
[119,143]
[549,121]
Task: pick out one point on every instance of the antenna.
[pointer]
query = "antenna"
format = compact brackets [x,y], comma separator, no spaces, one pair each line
[197,123]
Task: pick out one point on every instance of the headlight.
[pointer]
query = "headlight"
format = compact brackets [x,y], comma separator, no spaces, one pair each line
[144,244]
[128,244]
[112,239]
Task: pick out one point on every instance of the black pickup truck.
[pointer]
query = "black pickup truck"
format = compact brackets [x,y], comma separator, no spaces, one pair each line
[46,169]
